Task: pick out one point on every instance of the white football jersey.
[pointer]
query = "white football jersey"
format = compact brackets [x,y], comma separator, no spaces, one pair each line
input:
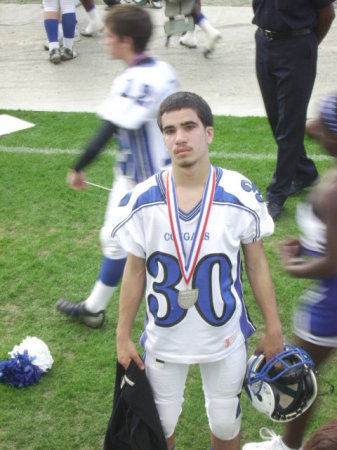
[133,107]
[218,322]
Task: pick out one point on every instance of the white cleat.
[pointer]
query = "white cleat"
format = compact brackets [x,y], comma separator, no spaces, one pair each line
[189,40]
[213,39]
[94,26]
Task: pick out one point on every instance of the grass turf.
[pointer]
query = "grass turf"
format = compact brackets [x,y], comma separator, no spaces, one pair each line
[49,248]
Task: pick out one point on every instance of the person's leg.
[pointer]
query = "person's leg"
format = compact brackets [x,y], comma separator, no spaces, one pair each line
[68,25]
[91,310]
[213,35]
[232,444]
[95,24]
[222,385]
[189,39]
[51,12]
[294,62]
[294,431]
[167,381]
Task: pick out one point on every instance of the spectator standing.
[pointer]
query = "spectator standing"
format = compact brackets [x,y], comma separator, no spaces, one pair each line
[287,38]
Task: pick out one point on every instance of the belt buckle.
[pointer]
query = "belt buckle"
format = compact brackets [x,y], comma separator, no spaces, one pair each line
[269,35]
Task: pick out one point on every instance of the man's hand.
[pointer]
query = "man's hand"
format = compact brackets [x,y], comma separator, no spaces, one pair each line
[77,180]
[270,344]
[126,352]
[290,251]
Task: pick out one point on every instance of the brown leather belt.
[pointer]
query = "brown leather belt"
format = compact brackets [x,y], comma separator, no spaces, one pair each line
[273,35]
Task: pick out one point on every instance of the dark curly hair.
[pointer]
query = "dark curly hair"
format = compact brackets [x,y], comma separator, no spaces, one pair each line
[325,438]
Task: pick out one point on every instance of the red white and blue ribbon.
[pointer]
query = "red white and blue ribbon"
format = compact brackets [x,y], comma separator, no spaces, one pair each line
[187,263]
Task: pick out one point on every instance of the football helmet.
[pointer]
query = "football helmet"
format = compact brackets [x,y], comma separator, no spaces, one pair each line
[285,392]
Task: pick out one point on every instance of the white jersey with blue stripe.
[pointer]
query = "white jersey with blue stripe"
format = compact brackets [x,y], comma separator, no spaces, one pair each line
[218,322]
[133,107]
[315,318]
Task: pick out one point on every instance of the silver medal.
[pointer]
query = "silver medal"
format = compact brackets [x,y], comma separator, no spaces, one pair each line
[188,298]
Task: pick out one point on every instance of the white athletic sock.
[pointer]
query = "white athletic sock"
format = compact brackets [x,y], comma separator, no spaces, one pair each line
[94,16]
[68,43]
[53,45]
[99,297]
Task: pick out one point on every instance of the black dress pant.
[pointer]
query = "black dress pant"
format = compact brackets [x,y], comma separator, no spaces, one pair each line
[286,71]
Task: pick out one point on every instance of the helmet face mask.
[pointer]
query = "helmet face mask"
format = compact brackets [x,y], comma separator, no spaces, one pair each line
[285,392]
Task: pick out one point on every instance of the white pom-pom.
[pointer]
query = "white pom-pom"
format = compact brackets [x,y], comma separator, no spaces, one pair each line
[37,350]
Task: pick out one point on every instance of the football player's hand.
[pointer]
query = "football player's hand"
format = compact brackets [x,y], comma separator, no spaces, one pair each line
[270,344]
[126,352]
[77,180]
[290,251]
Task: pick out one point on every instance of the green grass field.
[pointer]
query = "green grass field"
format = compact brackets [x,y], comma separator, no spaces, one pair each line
[49,248]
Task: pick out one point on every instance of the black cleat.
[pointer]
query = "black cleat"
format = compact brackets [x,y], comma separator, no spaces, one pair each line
[79,311]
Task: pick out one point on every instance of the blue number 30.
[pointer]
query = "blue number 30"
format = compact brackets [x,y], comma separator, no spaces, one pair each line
[203,279]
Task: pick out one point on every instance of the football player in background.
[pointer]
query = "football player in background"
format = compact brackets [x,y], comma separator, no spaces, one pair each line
[183,229]
[130,114]
[313,256]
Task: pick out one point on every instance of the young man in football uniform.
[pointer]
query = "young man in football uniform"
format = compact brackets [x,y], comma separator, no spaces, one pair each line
[183,229]
[130,114]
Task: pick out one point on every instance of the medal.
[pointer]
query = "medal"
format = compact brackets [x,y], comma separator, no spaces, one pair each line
[187,298]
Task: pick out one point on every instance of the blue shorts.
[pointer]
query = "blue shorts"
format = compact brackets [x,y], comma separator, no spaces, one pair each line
[315,319]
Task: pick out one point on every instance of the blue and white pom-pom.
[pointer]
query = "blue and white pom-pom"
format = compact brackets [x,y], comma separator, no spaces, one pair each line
[28,361]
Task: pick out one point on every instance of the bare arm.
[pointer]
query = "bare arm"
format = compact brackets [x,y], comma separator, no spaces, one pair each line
[316,268]
[259,277]
[132,289]
[326,16]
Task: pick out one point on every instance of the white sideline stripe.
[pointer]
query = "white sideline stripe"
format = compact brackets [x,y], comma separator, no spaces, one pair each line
[216,154]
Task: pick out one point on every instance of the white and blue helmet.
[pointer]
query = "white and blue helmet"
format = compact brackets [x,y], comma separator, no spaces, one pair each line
[282,393]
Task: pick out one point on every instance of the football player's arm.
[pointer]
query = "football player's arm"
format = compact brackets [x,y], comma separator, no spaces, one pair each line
[131,294]
[259,277]
[76,177]
[324,266]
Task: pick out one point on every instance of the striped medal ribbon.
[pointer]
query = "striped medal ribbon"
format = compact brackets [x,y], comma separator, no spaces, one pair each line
[188,297]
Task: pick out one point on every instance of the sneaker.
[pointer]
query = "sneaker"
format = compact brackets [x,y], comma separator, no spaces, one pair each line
[78,310]
[67,54]
[274,210]
[271,441]
[189,40]
[55,56]
[298,186]
[93,27]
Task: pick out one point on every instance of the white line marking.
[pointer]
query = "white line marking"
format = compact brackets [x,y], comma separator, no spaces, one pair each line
[213,154]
